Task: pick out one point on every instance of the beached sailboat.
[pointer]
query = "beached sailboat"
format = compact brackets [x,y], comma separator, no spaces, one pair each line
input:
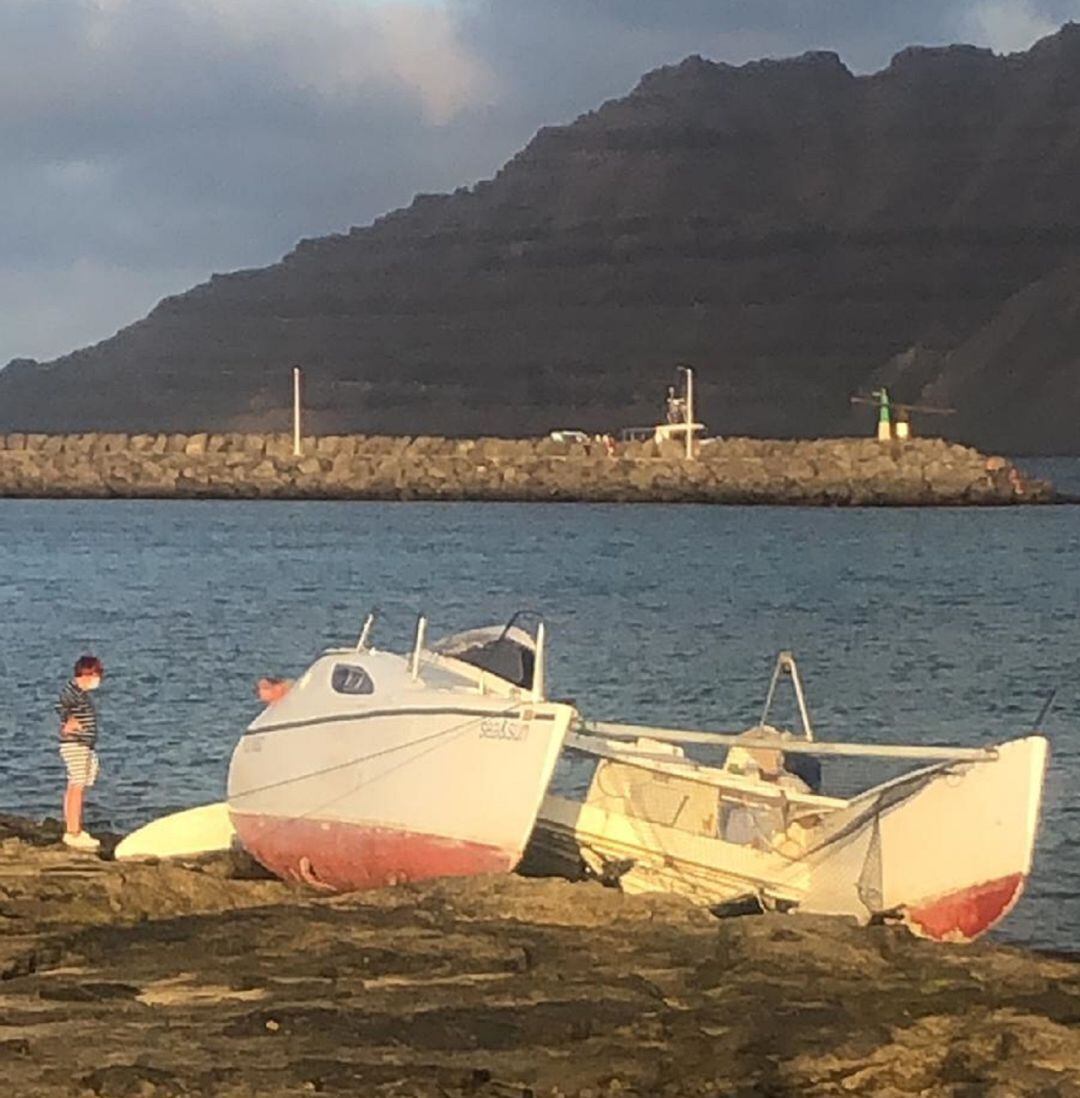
[377,768]
[946,848]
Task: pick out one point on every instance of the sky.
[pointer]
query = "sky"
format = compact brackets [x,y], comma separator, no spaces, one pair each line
[146,144]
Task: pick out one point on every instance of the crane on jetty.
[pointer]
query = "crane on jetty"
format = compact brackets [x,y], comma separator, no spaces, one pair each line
[894,418]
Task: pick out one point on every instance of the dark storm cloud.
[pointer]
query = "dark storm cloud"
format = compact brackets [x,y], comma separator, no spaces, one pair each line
[146,143]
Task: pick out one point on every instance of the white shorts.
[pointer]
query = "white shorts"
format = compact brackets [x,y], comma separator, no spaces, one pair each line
[81,762]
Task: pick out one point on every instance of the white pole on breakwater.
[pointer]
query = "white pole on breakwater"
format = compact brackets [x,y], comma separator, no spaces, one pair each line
[689,410]
[296,411]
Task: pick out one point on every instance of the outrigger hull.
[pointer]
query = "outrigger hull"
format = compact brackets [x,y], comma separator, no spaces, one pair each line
[947,848]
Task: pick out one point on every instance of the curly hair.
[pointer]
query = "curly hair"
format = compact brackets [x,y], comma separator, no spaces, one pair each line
[89,665]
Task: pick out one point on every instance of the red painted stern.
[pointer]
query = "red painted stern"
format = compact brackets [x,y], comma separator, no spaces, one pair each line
[963,915]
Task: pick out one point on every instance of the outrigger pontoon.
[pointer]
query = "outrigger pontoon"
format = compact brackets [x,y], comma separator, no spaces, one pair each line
[945,848]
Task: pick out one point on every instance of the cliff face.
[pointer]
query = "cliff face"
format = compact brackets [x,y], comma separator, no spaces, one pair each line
[1016,379]
[785,226]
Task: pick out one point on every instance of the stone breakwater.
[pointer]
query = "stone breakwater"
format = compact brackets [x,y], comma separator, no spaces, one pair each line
[853,472]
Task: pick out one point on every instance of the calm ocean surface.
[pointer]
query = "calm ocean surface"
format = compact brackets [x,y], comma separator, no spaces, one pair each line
[909,625]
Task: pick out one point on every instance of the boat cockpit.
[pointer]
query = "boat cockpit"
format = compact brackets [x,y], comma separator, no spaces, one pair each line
[505,651]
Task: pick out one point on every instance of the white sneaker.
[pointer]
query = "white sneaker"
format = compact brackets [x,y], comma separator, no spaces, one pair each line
[82,841]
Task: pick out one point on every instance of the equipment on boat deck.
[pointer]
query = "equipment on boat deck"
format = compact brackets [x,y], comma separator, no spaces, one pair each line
[946,848]
[378,768]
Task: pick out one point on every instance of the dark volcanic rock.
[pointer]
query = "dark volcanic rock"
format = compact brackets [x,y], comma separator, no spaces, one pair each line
[786,226]
[495,987]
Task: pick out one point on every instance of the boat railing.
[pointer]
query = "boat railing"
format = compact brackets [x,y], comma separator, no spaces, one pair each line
[418,647]
[614,730]
[363,642]
[785,664]
[539,664]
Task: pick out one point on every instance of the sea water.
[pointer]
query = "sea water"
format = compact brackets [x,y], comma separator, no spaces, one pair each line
[909,625]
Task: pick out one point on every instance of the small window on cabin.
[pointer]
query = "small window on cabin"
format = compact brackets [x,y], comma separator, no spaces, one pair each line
[349,679]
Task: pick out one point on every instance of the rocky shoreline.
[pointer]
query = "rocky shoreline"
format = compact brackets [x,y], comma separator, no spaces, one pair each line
[163,981]
[826,472]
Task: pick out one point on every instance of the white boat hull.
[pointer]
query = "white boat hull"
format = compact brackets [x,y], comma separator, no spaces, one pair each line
[396,795]
[947,849]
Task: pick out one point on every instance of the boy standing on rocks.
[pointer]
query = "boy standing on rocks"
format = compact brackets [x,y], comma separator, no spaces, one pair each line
[78,735]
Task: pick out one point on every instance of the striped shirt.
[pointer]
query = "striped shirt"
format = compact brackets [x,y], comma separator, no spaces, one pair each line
[76,702]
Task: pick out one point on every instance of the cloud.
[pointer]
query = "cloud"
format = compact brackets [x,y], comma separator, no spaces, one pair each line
[1007,26]
[160,136]
[68,302]
[342,51]
[422,51]
[181,52]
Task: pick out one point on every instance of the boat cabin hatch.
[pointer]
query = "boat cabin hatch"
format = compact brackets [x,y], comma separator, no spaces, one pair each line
[505,651]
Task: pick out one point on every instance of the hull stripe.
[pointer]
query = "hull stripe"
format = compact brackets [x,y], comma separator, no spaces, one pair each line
[414,711]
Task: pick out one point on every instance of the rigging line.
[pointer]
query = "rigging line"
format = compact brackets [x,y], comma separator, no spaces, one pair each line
[884,801]
[459,730]
[374,755]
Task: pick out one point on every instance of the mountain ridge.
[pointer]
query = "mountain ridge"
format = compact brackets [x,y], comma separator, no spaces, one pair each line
[788,226]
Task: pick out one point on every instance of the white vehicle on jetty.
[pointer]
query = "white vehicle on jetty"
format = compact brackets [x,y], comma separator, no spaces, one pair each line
[945,848]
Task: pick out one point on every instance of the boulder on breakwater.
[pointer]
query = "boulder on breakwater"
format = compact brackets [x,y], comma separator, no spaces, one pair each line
[165,981]
[841,471]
